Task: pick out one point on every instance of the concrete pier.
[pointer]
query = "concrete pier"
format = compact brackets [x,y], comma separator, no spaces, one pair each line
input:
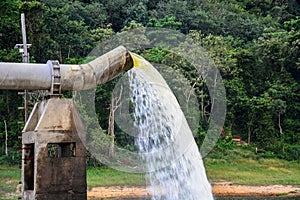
[53,156]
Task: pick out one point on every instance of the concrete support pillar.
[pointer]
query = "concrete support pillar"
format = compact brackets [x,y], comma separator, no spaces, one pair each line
[53,156]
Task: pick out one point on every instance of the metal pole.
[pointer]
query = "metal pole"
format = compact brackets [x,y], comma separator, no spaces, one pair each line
[25,59]
[25,53]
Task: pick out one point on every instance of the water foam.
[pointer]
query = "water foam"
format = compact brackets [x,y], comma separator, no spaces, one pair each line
[164,139]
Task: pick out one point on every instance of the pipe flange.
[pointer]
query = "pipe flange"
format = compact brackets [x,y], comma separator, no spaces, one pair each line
[55,90]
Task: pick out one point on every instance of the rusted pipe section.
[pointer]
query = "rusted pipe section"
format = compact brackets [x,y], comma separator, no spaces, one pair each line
[96,72]
[20,76]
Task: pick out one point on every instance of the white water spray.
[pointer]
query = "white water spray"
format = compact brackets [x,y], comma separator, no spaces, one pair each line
[164,139]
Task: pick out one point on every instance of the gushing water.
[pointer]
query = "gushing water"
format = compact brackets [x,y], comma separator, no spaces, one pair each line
[164,139]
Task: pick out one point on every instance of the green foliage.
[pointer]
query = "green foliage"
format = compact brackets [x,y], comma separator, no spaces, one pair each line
[9,114]
[155,55]
[100,34]
[166,22]
[225,144]
[12,159]
[137,11]
[291,152]
[10,55]
[254,44]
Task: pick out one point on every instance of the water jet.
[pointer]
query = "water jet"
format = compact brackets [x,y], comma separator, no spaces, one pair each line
[174,166]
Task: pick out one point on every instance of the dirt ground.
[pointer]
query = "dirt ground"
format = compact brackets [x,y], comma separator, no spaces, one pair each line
[223,189]
[220,189]
[231,190]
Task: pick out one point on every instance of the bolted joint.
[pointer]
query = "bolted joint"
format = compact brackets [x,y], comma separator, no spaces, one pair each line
[55,90]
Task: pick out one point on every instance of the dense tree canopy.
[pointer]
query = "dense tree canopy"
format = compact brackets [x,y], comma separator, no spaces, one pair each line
[255,45]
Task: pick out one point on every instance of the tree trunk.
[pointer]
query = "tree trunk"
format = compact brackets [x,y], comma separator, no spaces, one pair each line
[280,131]
[6,138]
[214,96]
[279,125]
[7,105]
[111,128]
[69,51]
[202,102]
[114,105]
[60,56]
[249,134]
[188,94]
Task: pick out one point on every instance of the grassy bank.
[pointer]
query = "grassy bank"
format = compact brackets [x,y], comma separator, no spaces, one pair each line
[9,180]
[239,166]
[111,177]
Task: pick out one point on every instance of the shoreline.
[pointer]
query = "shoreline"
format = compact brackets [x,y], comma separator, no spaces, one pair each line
[233,190]
[220,189]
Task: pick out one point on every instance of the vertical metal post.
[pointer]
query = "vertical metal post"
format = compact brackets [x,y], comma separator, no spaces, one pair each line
[25,58]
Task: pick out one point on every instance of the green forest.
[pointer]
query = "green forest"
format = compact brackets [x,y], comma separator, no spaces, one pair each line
[254,43]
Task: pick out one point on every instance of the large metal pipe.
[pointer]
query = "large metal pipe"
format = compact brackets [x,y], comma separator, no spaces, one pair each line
[20,76]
